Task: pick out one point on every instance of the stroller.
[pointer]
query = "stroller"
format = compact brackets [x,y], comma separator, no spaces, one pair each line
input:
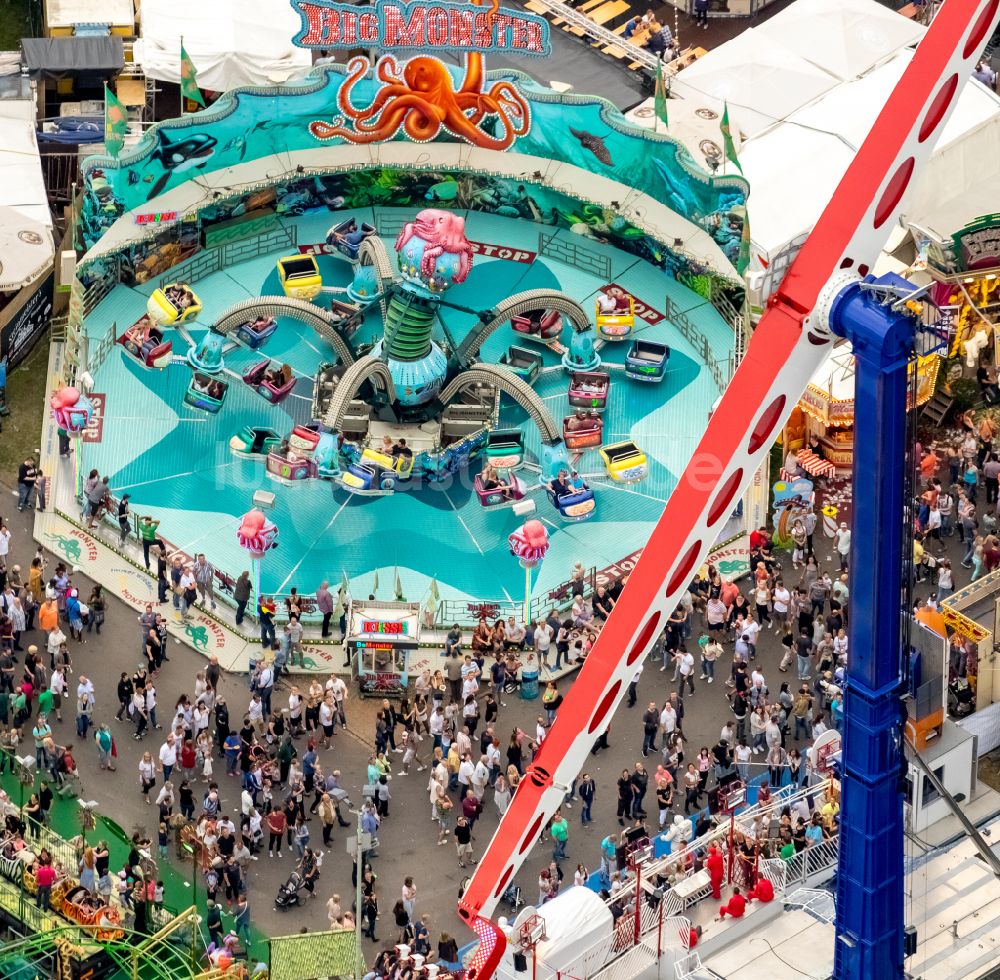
[288,893]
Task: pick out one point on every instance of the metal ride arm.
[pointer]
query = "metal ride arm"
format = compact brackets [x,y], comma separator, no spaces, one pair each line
[786,347]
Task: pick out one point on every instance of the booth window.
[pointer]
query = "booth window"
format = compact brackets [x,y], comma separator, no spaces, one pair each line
[928,791]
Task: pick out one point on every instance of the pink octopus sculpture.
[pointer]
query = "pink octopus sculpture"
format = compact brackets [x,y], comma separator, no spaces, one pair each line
[71,410]
[529,543]
[257,534]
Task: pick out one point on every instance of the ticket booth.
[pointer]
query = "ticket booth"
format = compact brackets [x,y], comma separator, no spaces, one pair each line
[380,639]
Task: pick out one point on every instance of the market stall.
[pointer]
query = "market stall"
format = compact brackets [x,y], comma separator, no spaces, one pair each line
[826,411]
[381,637]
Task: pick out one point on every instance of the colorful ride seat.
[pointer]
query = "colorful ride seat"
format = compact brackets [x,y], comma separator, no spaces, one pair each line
[144,341]
[577,506]
[253,333]
[616,325]
[174,304]
[273,384]
[646,361]
[505,448]
[376,473]
[206,392]
[495,495]
[583,430]
[625,462]
[544,325]
[526,364]
[589,389]
[299,276]
[346,237]
[254,441]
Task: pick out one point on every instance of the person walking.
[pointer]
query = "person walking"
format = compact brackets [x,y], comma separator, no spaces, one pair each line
[204,577]
[685,663]
[586,789]
[701,14]
[560,835]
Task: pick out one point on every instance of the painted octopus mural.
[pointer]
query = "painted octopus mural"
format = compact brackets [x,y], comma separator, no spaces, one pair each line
[421,100]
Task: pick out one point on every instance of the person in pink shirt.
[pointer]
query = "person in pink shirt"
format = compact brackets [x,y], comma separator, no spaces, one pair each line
[45,878]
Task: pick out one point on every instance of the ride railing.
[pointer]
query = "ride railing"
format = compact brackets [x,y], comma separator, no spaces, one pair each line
[661,926]
[97,355]
[574,253]
[690,332]
[203,263]
[467,614]
[100,288]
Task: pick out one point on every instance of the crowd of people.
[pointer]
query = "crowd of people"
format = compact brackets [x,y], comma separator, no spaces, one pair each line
[448,725]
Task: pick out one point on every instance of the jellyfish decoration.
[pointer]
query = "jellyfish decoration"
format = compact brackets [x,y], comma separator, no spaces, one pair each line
[529,543]
[71,410]
[257,534]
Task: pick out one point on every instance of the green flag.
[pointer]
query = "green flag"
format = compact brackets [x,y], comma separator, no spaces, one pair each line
[115,123]
[435,591]
[743,260]
[375,585]
[398,588]
[727,137]
[660,97]
[189,79]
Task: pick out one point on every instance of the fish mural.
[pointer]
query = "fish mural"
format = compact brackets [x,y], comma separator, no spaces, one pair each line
[595,144]
[192,153]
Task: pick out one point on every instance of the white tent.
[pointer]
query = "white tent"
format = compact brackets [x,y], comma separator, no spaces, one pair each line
[231,42]
[761,81]
[22,191]
[70,13]
[845,39]
[794,167]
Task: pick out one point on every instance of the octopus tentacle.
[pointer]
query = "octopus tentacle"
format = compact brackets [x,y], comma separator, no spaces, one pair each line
[386,95]
[388,125]
[423,124]
[473,81]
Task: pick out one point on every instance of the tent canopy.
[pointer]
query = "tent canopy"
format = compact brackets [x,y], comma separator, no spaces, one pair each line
[231,43]
[845,39]
[794,167]
[70,13]
[55,57]
[24,205]
[760,80]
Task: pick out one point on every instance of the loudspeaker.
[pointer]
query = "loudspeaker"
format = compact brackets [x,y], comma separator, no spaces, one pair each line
[520,963]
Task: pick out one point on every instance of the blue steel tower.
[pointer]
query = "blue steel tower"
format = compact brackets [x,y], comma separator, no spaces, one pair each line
[870,877]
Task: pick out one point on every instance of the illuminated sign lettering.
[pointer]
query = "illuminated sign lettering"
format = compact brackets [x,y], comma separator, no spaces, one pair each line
[423,25]
[155,217]
[380,626]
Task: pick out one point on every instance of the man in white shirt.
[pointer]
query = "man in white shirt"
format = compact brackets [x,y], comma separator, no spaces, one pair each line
[480,777]
[543,641]
[436,725]
[668,721]
[466,770]
[168,757]
[685,662]
[339,689]
[255,712]
[751,630]
[842,539]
